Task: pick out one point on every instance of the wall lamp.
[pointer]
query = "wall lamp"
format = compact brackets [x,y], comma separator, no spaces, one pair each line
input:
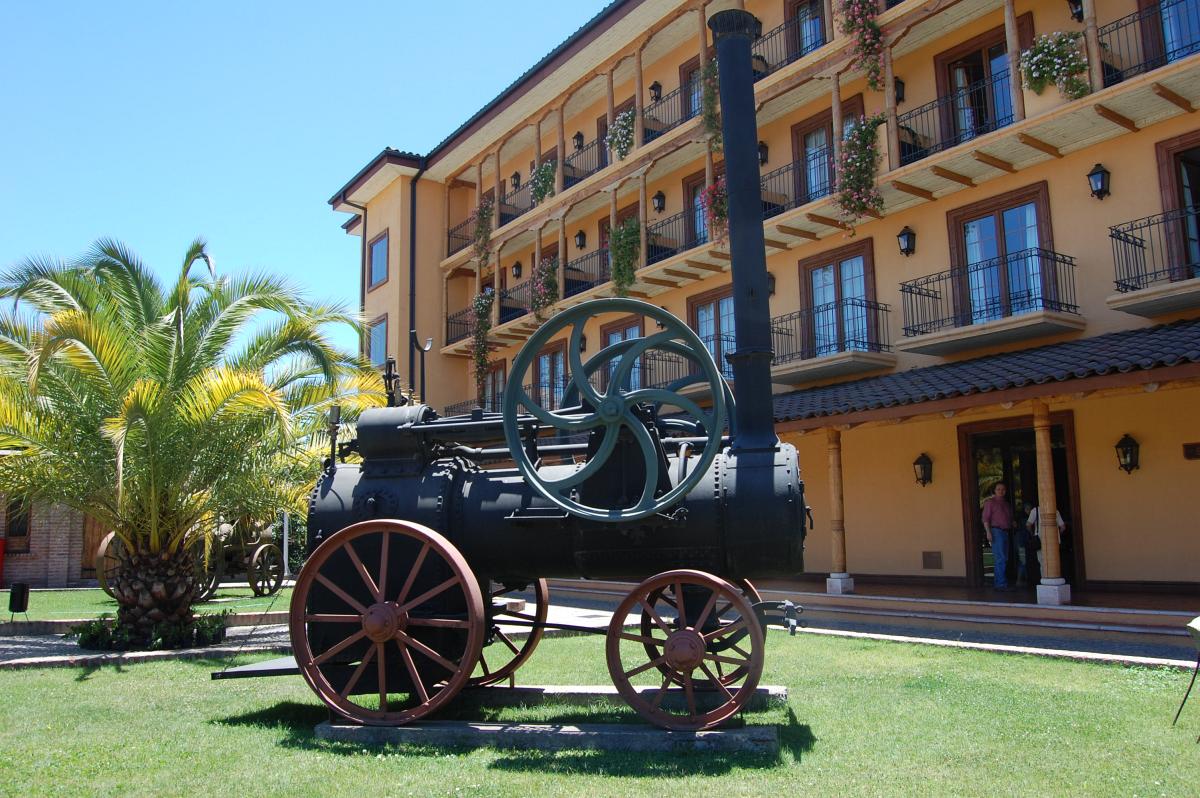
[659,202]
[907,239]
[898,85]
[515,180]
[516,270]
[581,240]
[1099,180]
[923,469]
[655,91]
[1127,453]
[763,153]
[1076,9]
[770,284]
[577,140]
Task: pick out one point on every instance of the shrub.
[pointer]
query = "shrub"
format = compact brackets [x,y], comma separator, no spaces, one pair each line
[619,138]
[480,350]
[715,199]
[1056,59]
[858,22]
[857,193]
[541,181]
[624,245]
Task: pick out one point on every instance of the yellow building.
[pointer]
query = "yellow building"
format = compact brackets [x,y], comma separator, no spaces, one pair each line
[1026,300]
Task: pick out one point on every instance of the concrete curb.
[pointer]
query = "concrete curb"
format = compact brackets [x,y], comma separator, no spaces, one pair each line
[132,657]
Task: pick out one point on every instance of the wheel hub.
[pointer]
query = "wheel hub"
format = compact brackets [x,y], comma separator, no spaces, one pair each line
[610,410]
[383,620]
[684,649]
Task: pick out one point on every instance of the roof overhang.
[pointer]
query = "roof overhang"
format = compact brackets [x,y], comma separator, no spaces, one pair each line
[375,177]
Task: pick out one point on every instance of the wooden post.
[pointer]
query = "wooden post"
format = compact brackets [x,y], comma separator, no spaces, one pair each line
[445,305]
[496,200]
[642,217]
[702,39]
[562,153]
[537,252]
[479,183]
[446,218]
[889,99]
[1053,588]
[837,126]
[1091,38]
[562,257]
[612,213]
[1013,43]
[831,25]
[610,112]
[478,278]
[495,287]
[537,144]
[839,580]
[710,170]
[639,104]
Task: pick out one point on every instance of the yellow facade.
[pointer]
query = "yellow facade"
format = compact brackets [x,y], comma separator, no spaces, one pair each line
[933,175]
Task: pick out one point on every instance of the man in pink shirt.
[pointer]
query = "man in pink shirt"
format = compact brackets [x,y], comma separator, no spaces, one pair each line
[998,524]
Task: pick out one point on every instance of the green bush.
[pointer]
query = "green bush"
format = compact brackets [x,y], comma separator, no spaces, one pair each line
[102,634]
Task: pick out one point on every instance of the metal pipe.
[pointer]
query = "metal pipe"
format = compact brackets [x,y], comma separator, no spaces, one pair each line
[362,273]
[412,278]
[733,31]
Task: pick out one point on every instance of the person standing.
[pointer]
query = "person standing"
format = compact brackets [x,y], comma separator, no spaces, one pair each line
[998,524]
[1036,535]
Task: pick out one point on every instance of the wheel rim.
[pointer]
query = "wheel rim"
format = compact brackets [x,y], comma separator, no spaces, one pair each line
[266,569]
[360,640]
[687,646]
[511,654]
[107,562]
[208,572]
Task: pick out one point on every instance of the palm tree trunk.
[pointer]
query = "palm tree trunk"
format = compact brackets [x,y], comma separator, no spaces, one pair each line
[154,588]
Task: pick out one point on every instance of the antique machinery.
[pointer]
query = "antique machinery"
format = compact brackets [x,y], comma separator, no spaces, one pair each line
[641,465]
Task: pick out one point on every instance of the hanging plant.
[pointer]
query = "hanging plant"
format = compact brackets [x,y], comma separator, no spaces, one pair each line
[710,104]
[715,199]
[481,305]
[1056,59]
[481,236]
[619,138]
[541,181]
[858,22]
[545,286]
[858,195]
[624,245]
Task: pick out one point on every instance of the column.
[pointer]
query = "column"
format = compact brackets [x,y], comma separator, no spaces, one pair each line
[710,171]
[702,38]
[495,287]
[830,25]
[562,153]
[1091,38]
[837,126]
[610,112]
[639,104]
[537,144]
[562,257]
[478,279]
[446,218]
[889,99]
[642,216]
[612,211]
[445,303]
[839,580]
[1053,588]
[497,198]
[1013,43]
[479,183]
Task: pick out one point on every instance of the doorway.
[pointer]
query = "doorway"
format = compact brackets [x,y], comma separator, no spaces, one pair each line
[1005,451]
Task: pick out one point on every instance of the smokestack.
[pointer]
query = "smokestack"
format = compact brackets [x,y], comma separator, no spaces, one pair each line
[733,31]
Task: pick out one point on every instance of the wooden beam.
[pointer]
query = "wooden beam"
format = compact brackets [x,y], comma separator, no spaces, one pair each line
[916,191]
[797,232]
[825,220]
[679,274]
[992,160]
[1172,97]
[776,244]
[638,295]
[461,271]
[708,267]
[1038,144]
[874,214]
[1117,119]
[458,182]
[953,177]
[659,281]
[719,255]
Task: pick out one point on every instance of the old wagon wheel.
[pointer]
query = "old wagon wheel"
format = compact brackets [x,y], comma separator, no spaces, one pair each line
[265,574]
[689,638]
[108,562]
[386,622]
[208,569]
[751,594]
[511,654]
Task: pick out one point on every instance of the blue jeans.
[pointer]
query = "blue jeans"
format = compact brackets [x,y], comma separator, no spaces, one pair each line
[1000,555]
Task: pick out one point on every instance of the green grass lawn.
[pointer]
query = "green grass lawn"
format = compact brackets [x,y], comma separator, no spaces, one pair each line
[865,718]
[53,605]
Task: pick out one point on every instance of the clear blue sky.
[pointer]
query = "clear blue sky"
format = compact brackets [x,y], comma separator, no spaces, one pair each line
[155,122]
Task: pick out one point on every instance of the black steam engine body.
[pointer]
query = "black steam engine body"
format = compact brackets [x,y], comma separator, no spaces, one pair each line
[416,550]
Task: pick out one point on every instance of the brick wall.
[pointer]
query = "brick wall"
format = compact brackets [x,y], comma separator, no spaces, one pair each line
[55,548]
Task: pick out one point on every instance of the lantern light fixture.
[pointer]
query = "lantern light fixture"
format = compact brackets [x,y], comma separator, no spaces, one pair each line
[1128,451]
[770,284]
[581,240]
[907,239]
[1076,9]
[898,85]
[577,140]
[583,343]
[655,91]
[659,201]
[1099,181]
[923,469]
[515,180]
[516,270]
[763,153]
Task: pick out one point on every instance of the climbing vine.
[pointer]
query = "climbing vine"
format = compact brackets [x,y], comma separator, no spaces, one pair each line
[619,138]
[715,200]
[858,22]
[541,181]
[481,233]
[858,196]
[480,351]
[624,244]
[710,104]
[545,287]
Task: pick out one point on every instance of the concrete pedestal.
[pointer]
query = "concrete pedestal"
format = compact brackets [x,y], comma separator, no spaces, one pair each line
[1054,591]
[839,584]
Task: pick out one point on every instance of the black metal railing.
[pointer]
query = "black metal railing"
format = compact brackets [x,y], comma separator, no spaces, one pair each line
[968,113]
[489,404]
[515,203]
[586,271]
[459,325]
[675,234]
[789,42]
[583,163]
[1020,282]
[1158,249]
[516,301]
[1150,38]
[850,325]
[892,3]
[670,112]
[458,237]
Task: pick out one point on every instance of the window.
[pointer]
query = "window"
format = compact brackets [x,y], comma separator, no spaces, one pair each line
[493,388]
[550,376]
[1180,20]
[16,518]
[626,329]
[839,290]
[377,335]
[808,32]
[712,319]
[973,78]
[378,258]
[812,146]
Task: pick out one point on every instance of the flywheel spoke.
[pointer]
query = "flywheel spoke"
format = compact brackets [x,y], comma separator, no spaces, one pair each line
[358,672]
[427,651]
[382,677]
[412,574]
[428,594]
[654,663]
[342,594]
[340,647]
[362,572]
[413,674]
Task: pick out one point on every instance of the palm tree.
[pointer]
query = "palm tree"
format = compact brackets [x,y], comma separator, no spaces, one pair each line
[155,409]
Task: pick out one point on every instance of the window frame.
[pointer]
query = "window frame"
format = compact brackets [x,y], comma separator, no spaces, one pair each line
[851,107]
[865,249]
[713,296]
[387,258]
[375,322]
[559,346]
[9,514]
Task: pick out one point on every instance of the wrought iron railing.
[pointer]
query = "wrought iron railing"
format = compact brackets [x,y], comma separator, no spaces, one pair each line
[1020,282]
[515,203]
[675,234]
[458,237]
[583,163]
[489,404]
[789,42]
[850,325]
[586,271]
[459,325]
[670,112]
[516,301]
[1158,249]
[968,113]
[1149,38]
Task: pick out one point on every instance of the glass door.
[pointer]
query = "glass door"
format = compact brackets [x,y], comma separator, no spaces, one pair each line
[1180,27]
[1003,264]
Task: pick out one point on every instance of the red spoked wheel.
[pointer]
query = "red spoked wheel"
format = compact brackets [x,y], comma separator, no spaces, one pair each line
[504,655]
[386,622]
[714,624]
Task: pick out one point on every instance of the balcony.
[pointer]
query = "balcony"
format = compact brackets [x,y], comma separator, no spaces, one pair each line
[948,121]
[787,43]
[583,163]
[1022,295]
[458,237]
[1148,39]
[1157,263]
[586,272]
[798,183]
[831,340]
[515,203]
[516,301]
[459,325]
[670,112]
[675,234]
